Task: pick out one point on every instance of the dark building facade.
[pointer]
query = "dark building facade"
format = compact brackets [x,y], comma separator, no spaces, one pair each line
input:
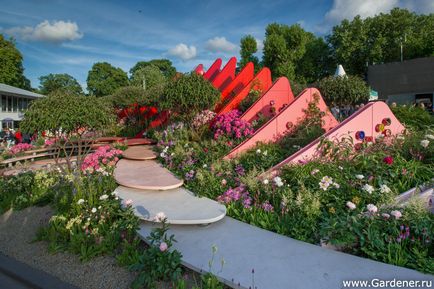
[404,82]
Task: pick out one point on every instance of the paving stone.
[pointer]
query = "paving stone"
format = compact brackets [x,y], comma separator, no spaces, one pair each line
[139,153]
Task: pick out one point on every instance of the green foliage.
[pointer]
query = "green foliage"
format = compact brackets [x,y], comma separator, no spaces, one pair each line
[148,77]
[158,263]
[68,112]
[377,39]
[413,117]
[248,101]
[188,95]
[248,48]
[164,65]
[65,83]
[11,64]
[344,90]
[126,96]
[104,79]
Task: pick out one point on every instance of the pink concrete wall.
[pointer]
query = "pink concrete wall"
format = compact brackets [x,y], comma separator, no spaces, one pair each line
[225,76]
[274,100]
[286,119]
[261,81]
[367,119]
[214,70]
[241,80]
[199,69]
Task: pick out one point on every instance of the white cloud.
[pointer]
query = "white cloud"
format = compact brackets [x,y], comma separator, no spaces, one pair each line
[220,44]
[418,6]
[346,9]
[56,32]
[259,44]
[183,51]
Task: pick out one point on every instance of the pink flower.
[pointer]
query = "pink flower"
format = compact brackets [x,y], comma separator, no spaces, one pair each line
[388,160]
[163,246]
[396,214]
[128,203]
[351,205]
[372,208]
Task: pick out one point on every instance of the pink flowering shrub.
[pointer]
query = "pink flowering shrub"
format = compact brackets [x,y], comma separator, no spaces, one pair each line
[230,125]
[19,148]
[102,160]
[203,118]
[49,142]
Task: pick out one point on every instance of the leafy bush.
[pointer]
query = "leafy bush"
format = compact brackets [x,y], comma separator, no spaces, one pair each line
[188,95]
[344,90]
[413,116]
[148,77]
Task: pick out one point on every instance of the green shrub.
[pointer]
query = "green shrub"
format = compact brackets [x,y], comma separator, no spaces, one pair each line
[413,116]
[188,95]
[344,90]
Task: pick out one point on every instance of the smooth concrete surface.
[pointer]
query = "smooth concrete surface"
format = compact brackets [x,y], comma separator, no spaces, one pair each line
[278,262]
[141,153]
[145,175]
[179,205]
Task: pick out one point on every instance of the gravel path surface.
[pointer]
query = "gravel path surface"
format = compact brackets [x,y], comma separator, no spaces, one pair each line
[18,229]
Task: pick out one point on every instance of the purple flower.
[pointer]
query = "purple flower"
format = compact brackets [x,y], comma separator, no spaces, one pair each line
[240,170]
[267,206]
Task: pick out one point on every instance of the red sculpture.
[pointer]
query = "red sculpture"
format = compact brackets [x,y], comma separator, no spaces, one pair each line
[226,75]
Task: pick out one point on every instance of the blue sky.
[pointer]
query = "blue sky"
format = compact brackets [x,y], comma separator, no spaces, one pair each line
[61,36]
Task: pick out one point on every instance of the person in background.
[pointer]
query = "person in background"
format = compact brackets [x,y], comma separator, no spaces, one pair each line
[18,136]
[10,138]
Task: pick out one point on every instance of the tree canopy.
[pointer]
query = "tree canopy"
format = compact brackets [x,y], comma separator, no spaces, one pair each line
[11,65]
[164,65]
[248,49]
[104,79]
[344,90]
[59,82]
[148,77]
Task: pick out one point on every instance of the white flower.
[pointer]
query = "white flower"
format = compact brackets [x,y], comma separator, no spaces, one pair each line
[327,179]
[163,155]
[341,168]
[372,208]
[94,210]
[103,197]
[424,143]
[265,153]
[278,181]
[351,205]
[385,215]
[400,137]
[114,193]
[258,151]
[79,202]
[160,217]
[360,177]
[336,185]
[368,188]
[172,154]
[265,182]
[166,149]
[116,198]
[430,136]
[396,214]
[324,185]
[99,208]
[128,202]
[385,189]
[204,166]
[313,172]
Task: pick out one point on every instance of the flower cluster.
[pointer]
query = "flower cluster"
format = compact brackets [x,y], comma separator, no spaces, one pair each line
[231,126]
[203,118]
[102,160]
[236,194]
[326,182]
[49,142]
[19,148]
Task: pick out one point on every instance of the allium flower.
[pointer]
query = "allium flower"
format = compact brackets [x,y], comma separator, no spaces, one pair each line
[351,205]
[160,217]
[79,202]
[163,246]
[396,214]
[424,143]
[103,197]
[388,160]
[360,177]
[278,181]
[385,189]
[372,208]
[93,210]
[265,182]
[368,188]
[128,203]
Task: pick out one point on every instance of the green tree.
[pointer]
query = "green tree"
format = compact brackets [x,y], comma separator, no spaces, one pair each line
[11,65]
[189,94]
[59,82]
[248,49]
[148,77]
[165,66]
[344,90]
[104,79]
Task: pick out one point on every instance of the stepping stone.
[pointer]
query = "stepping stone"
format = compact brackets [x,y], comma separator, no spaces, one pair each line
[139,153]
[145,175]
[179,205]
[138,141]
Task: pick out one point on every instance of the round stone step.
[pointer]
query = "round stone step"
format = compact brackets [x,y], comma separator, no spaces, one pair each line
[139,153]
[179,205]
[146,175]
[138,141]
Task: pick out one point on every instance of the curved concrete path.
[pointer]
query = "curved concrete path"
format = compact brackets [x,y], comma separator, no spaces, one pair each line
[145,175]
[179,205]
[141,153]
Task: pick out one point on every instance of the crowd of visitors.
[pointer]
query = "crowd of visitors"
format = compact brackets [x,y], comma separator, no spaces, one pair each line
[344,111]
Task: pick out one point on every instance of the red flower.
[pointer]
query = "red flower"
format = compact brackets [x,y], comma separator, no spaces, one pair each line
[388,160]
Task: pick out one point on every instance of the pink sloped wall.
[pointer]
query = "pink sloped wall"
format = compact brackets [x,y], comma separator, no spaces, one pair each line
[274,100]
[293,114]
[261,81]
[199,69]
[214,69]
[241,80]
[365,119]
[225,76]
